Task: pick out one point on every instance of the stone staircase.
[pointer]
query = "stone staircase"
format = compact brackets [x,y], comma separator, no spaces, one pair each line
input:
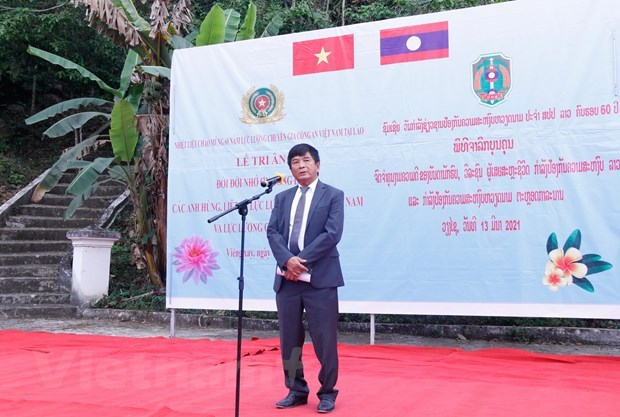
[33,242]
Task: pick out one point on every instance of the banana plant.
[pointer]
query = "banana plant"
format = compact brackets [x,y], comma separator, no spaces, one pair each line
[221,26]
[137,146]
[78,120]
[123,135]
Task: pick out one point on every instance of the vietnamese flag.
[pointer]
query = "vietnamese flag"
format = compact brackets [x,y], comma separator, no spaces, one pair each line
[323,55]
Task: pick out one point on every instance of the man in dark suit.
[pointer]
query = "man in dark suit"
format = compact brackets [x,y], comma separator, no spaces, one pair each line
[305,226]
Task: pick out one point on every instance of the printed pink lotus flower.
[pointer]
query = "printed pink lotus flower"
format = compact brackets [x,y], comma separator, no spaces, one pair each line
[567,263]
[196,258]
[554,277]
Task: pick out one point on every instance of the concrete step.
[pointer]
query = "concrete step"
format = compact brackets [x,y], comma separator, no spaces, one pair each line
[17,246]
[38,311]
[104,190]
[33,233]
[34,298]
[56,211]
[63,200]
[28,285]
[31,270]
[53,222]
[31,258]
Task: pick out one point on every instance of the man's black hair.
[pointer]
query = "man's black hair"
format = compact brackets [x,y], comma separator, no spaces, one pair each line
[300,150]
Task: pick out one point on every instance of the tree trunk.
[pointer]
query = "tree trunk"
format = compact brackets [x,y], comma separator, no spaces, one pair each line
[33,97]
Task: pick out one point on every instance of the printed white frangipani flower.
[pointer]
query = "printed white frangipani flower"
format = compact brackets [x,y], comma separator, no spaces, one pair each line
[554,277]
[567,263]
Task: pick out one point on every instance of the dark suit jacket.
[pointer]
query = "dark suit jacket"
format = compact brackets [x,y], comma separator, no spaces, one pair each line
[323,232]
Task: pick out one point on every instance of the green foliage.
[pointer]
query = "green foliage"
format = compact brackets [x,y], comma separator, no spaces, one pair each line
[57,27]
[20,164]
[247,28]
[73,67]
[232,18]
[72,122]
[17,178]
[520,335]
[213,27]
[60,166]
[127,286]
[221,26]
[369,11]
[65,106]
[304,16]
[123,131]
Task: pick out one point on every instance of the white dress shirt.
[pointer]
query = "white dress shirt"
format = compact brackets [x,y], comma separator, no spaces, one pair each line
[309,195]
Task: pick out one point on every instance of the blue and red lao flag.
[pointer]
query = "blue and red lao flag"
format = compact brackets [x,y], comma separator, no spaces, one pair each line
[323,55]
[414,43]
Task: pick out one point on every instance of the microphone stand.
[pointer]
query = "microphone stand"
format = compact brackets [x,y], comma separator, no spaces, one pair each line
[242,208]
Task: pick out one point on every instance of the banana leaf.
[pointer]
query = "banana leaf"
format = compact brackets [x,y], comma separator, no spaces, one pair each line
[54,174]
[212,29]
[231,22]
[273,27]
[131,13]
[131,61]
[77,163]
[134,94]
[66,64]
[70,123]
[179,42]
[79,201]
[157,71]
[123,130]
[59,108]
[88,176]
[190,37]
[118,173]
[247,28]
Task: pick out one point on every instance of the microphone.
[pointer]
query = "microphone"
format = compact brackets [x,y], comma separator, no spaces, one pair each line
[269,182]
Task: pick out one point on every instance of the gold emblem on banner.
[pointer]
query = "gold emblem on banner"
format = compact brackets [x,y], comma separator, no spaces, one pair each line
[262,105]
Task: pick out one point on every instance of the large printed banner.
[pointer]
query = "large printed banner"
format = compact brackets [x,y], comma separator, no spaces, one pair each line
[478,149]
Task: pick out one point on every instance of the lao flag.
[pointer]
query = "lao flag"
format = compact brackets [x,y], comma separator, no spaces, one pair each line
[414,43]
[323,55]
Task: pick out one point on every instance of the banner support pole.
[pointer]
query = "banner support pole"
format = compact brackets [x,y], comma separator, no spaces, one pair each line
[372,329]
[173,322]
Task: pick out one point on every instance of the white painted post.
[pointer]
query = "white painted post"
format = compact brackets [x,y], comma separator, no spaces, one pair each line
[92,249]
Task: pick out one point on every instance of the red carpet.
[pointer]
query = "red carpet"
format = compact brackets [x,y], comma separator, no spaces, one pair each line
[95,376]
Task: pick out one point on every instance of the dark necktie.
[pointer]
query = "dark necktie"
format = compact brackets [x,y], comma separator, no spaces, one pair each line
[299,215]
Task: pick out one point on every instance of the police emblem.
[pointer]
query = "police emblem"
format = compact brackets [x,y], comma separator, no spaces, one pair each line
[491,79]
[262,105]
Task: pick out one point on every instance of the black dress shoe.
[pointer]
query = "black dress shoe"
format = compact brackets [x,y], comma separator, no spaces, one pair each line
[326,405]
[292,400]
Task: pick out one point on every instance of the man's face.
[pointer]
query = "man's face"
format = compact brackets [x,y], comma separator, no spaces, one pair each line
[304,169]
